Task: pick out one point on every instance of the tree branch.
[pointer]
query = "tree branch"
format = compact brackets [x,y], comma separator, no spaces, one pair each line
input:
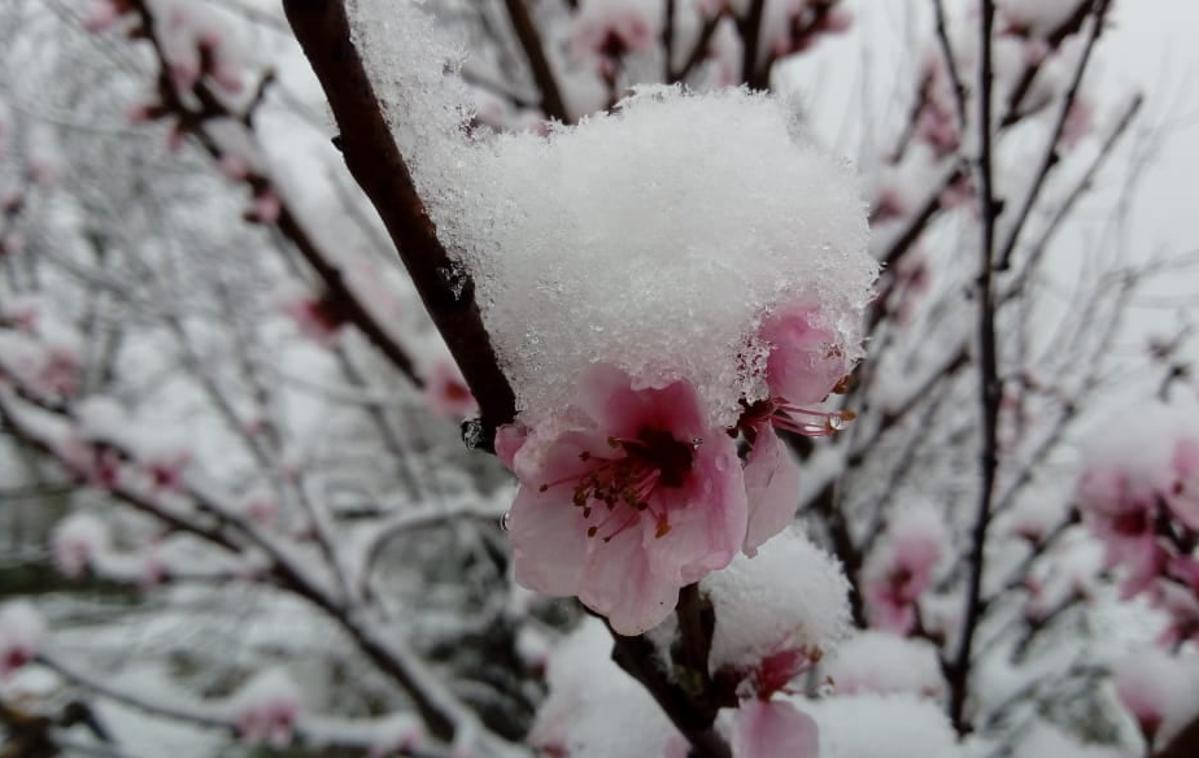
[990,388]
[323,30]
[543,74]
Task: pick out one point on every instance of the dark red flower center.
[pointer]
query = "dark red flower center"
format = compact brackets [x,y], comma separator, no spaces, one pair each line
[625,483]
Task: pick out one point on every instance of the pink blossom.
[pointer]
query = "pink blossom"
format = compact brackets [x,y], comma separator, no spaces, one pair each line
[1142,695]
[320,320]
[902,569]
[101,15]
[807,362]
[611,29]
[166,470]
[21,632]
[626,498]
[447,393]
[271,722]
[76,543]
[267,709]
[771,729]
[266,206]
[234,167]
[1122,512]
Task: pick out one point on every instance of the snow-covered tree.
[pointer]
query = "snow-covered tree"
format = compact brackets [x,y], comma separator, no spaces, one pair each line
[769,450]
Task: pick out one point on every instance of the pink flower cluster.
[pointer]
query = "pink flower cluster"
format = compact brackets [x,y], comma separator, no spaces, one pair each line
[1144,507]
[632,493]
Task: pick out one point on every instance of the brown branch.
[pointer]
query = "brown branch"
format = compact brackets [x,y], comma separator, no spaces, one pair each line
[951,65]
[543,74]
[990,388]
[751,36]
[700,51]
[323,30]
[1051,157]
[691,709]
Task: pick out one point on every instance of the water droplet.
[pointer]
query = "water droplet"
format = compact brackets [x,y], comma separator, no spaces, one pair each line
[506,521]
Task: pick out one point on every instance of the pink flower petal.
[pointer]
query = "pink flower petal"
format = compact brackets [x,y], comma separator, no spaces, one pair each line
[774,729]
[772,486]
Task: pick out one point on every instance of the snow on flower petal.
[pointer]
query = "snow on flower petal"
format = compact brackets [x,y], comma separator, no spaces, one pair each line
[778,612]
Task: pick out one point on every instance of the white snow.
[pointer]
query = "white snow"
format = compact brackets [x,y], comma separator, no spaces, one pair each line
[884,664]
[882,727]
[653,238]
[595,710]
[792,595]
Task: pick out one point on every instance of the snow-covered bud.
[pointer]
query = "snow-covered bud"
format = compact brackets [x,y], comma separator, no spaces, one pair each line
[776,613]
[1159,690]
[22,630]
[267,707]
[77,541]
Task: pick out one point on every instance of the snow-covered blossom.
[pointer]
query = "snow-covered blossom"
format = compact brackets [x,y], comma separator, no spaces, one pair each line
[899,572]
[266,708]
[776,613]
[48,370]
[608,30]
[769,221]
[77,541]
[1159,690]
[22,630]
[318,318]
[1136,494]
[627,498]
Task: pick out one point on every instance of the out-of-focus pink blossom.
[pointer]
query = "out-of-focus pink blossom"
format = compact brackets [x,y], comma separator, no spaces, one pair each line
[266,206]
[22,630]
[447,393]
[625,499]
[103,14]
[166,469]
[267,709]
[318,319]
[608,30]
[771,729]
[1122,511]
[900,571]
[76,542]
